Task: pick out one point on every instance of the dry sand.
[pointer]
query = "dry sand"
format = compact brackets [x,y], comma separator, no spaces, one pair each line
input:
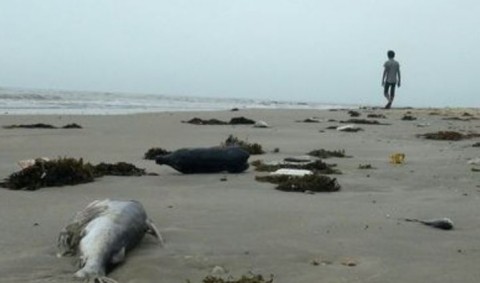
[244,226]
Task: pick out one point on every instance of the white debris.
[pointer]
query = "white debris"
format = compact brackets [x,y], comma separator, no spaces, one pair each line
[292,172]
[261,124]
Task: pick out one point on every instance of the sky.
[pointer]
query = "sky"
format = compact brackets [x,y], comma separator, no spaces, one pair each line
[295,50]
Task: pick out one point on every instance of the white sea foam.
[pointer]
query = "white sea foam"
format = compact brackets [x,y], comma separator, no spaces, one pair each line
[23,101]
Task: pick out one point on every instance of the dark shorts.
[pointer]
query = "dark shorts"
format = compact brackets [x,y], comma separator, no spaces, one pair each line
[390,86]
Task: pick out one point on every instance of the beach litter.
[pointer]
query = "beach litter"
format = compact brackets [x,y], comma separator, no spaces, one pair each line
[397,158]
[440,223]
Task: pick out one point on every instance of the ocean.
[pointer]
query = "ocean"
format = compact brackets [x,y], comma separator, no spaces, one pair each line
[28,101]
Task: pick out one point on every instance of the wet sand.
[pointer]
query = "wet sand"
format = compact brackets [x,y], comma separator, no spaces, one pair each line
[242,225]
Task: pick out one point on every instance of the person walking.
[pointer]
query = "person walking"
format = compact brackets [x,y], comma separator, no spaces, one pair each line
[390,78]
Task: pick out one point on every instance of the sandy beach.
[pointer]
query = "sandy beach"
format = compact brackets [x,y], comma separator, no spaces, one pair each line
[241,225]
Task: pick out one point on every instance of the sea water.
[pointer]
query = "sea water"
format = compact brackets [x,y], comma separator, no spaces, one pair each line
[25,101]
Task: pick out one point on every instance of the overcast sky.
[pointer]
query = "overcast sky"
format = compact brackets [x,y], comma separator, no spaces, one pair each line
[301,50]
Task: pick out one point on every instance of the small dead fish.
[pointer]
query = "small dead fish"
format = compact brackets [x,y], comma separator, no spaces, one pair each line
[440,223]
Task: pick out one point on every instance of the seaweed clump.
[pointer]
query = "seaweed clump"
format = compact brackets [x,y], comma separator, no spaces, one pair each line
[252,148]
[63,171]
[323,153]
[408,118]
[199,121]
[447,136]
[312,183]
[153,152]
[363,121]
[42,126]
[241,121]
[476,144]
[233,121]
[354,113]
[378,116]
[118,169]
[243,279]
[31,126]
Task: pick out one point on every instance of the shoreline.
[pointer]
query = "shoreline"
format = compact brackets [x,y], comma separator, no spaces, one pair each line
[243,225]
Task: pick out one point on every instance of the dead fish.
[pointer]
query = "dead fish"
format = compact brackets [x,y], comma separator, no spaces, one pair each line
[102,233]
[441,223]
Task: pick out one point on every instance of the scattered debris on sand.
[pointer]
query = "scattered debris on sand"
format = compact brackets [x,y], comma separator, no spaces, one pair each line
[244,279]
[233,121]
[448,136]
[306,183]
[154,152]
[65,171]
[42,126]
[323,153]
[252,148]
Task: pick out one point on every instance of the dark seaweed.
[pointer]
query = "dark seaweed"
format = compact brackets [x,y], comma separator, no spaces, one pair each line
[154,152]
[118,169]
[243,279]
[323,153]
[241,121]
[252,148]
[448,136]
[313,183]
